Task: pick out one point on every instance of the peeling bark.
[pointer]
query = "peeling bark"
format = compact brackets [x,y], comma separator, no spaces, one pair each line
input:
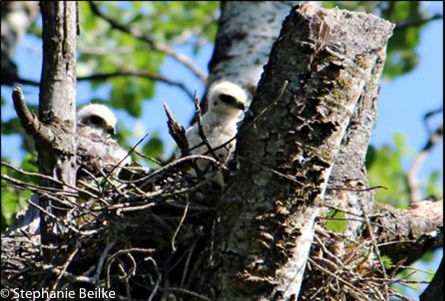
[285,155]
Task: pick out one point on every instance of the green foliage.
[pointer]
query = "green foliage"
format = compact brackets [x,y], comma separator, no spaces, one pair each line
[336,221]
[192,24]
[14,199]
[432,189]
[154,148]
[104,49]
[387,262]
[384,167]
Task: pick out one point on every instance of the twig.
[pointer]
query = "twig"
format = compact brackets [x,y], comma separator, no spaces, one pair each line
[358,189]
[158,162]
[181,290]
[338,278]
[173,164]
[158,278]
[255,120]
[136,33]
[64,268]
[29,121]
[411,176]
[376,249]
[179,226]
[39,175]
[177,131]
[137,73]
[102,260]
[28,82]
[113,257]
[201,131]
[417,22]
[187,263]
[124,158]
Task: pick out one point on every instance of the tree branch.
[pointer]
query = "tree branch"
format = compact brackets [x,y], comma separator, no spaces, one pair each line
[411,175]
[137,73]
[418,22]
[408,234]
[29,121]
[434,291]
[136,33]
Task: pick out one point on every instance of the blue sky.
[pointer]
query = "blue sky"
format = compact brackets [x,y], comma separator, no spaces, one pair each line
[402,104]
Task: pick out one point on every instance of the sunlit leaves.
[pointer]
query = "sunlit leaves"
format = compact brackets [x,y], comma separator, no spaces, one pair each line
[385,169]
[336,221]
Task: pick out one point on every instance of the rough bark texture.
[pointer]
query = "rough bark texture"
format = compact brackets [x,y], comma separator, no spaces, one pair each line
[16,18]
[287,147]
[416,230]
[57,109]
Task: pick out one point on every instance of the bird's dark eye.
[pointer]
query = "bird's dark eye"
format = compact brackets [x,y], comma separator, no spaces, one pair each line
[215,103]
[96,120]
[227,99]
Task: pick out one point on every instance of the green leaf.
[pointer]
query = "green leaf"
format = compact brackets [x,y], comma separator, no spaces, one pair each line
[9,205]
[387,262]
[154,147]
[336,221]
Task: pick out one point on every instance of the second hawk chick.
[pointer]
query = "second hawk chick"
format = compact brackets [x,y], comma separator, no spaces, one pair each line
[226,102]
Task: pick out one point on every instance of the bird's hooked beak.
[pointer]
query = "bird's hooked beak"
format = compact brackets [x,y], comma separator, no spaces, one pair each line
[111,130]
[240,105]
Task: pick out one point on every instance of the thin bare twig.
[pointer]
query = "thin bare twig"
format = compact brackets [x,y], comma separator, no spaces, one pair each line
[411,175]
[179,226]
[137,73]
[136,33]
[201,131]
[417,22]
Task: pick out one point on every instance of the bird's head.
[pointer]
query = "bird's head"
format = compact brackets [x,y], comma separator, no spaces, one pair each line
[98,117]
[226,98]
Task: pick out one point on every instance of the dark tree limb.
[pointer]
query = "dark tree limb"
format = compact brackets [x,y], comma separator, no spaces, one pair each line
[434,291]
[418,22]
[137,34]
[266,227]
[138,73]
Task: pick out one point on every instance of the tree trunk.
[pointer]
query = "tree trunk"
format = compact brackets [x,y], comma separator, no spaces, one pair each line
[287,147]
[57,112]
[245,36]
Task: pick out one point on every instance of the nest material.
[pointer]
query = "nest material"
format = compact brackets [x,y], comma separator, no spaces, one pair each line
[145,236]
[149,236]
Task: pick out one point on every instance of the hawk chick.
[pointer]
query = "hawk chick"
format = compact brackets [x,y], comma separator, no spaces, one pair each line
[97,150]
[226,102]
